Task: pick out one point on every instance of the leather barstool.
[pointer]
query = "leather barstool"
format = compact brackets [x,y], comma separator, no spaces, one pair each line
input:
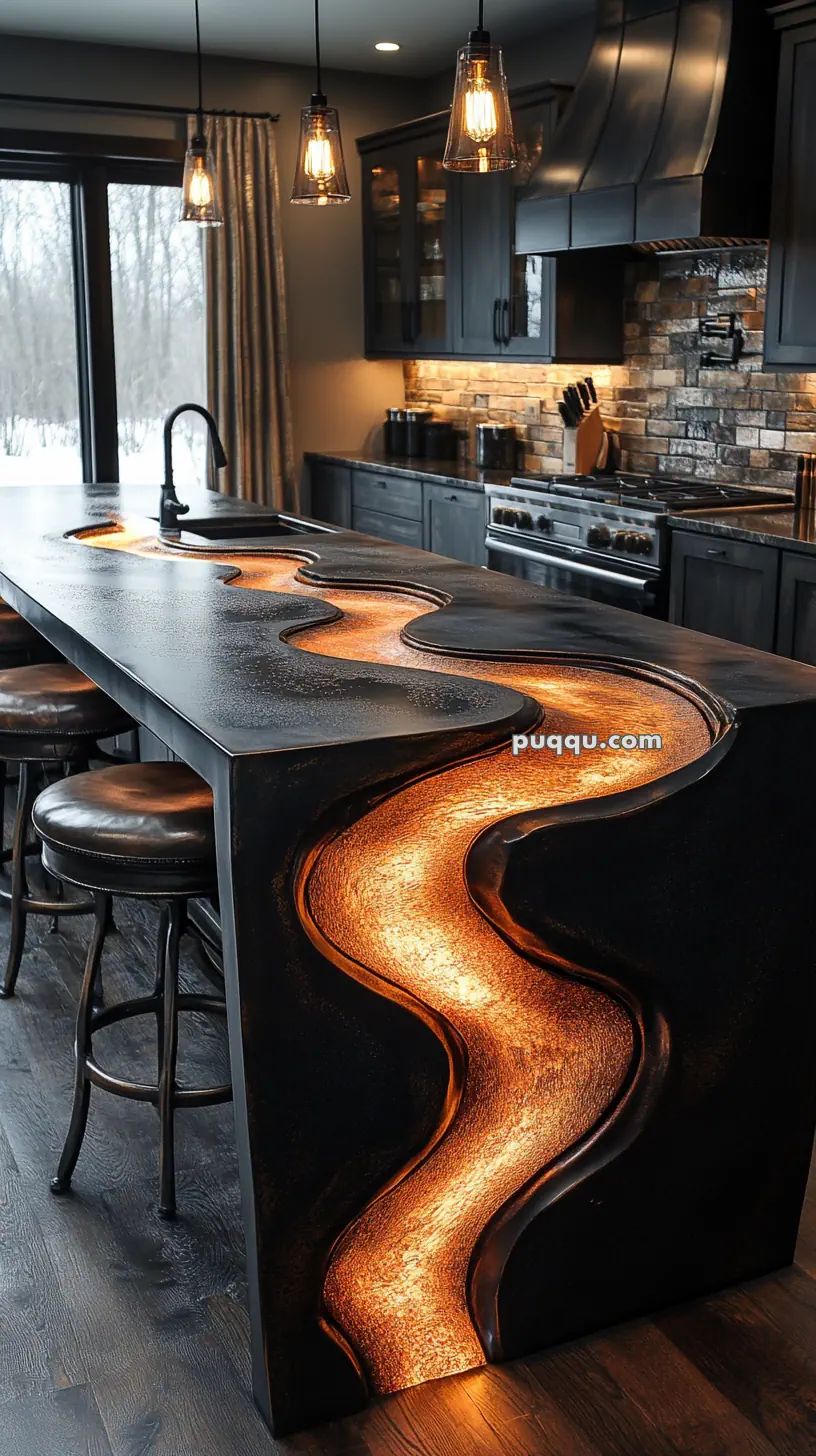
[50,714]
[143,831]
[20,644]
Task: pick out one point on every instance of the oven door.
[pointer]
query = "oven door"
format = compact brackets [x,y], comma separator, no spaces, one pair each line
[637,588]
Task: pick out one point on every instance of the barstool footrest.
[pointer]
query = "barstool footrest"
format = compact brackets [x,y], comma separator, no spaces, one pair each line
[148,1092]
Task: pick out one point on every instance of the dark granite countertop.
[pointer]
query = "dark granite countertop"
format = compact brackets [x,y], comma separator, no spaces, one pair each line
[439,472]
[789,529]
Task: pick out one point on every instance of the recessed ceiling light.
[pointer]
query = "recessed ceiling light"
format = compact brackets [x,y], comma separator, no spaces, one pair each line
[386,45]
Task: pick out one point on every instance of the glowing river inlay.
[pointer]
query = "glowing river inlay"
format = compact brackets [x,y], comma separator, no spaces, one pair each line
[547,1055]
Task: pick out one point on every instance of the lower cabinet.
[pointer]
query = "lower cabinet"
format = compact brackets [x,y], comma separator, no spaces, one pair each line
[401,507]
[330,493]
[455,523]
[391,528]
[725,588]
[796,629]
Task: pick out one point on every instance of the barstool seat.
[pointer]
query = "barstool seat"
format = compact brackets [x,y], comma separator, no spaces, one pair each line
[49,713]
[143,830]
[16,635]
[140,829]
[52,711]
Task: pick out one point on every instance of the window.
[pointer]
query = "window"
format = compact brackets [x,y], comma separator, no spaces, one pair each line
[101,312]
[40,437]
[158,331]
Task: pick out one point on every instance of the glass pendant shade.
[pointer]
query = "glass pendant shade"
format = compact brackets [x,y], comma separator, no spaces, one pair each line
[320,175]
[480,136]
[199,190]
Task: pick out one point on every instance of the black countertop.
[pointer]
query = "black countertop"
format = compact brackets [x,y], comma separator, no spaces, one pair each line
[178,649]
[790,529]
[439,472]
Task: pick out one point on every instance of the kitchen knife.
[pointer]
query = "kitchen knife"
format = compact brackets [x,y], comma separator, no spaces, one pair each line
[590,384]
[567,416]
[575,400]
[584,393]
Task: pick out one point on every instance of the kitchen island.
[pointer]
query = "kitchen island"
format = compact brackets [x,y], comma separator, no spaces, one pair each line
[521,1037]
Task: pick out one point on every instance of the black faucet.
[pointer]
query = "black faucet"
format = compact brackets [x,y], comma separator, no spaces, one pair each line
[170,507]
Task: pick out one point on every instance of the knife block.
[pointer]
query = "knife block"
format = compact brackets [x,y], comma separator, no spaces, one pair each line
[583,445]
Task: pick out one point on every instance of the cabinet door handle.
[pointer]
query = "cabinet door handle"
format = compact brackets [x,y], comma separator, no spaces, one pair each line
[712,551]
[496,311]
[506,334]
[453,497]
[406,325]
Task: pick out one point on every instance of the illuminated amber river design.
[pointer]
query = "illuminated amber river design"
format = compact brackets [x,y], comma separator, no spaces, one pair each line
[547,1055]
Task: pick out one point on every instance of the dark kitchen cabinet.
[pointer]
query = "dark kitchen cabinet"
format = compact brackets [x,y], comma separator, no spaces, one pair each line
[445,276]
[330,493]
[455,523]
[406,201]
[790,337]
[796,627]
[725,588]
[501,308]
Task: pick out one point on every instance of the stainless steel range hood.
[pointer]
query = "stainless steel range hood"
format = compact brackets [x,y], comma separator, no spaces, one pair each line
[667,139]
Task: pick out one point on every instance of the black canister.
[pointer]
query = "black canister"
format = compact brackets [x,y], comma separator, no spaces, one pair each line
[496,447]
[440,440]
[415,422]
[394,433]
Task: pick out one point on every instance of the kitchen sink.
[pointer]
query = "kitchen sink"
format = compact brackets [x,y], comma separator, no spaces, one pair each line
[247,527]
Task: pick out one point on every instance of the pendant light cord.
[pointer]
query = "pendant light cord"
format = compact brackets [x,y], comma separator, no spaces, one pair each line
[481,14]
[200,83]
[317,45]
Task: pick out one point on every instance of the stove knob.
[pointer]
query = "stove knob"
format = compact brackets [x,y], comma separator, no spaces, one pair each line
[500,515]
[599,536]
[632,539]
[524,520]
[644,545]
[544,523]
[621,538]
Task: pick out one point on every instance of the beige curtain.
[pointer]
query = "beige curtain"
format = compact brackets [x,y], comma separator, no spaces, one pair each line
[247,349]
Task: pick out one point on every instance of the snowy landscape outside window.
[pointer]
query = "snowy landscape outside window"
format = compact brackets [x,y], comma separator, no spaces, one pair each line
[157,287]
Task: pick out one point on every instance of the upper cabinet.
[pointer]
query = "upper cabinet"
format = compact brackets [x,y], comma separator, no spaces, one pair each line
[407,242]
[790,337]
[442,274]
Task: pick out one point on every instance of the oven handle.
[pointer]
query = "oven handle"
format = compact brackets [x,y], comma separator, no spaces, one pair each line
[638,583]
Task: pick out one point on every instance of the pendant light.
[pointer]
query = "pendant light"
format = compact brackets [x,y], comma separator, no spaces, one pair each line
[480,136]
[199,192]
[320,175]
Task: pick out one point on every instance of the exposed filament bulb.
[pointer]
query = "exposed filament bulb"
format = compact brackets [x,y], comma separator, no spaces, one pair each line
[481,119]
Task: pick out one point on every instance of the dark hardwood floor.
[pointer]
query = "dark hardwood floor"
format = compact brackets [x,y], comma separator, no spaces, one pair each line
[124,1336]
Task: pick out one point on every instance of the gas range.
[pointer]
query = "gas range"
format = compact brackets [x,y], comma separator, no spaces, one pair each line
[602,536]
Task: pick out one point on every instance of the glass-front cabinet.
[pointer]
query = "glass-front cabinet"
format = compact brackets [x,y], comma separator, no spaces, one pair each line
[443,277]
[531,288]
[407,248]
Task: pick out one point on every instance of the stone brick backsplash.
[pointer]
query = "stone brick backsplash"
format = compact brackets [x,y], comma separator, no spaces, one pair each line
[731,424]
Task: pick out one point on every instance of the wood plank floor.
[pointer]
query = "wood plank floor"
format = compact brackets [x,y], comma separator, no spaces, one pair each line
[123,1336]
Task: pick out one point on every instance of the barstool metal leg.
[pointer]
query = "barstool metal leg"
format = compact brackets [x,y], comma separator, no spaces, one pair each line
[82,1050]
[2,812]
[26,793]
[158,986]
[167,1071]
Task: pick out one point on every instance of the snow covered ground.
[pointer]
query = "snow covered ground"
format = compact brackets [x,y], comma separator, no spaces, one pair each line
[56,463]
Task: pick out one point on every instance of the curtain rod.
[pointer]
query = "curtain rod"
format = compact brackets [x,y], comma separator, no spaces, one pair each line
[85,105]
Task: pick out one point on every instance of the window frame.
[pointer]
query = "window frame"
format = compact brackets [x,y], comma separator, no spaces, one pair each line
[88,162]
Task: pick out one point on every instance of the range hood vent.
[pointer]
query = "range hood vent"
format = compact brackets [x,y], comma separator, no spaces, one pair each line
[668,136]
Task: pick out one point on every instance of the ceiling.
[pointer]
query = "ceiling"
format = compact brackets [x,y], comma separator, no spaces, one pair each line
[282,30]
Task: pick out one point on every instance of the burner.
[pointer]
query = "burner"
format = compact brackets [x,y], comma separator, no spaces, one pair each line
[652,493]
